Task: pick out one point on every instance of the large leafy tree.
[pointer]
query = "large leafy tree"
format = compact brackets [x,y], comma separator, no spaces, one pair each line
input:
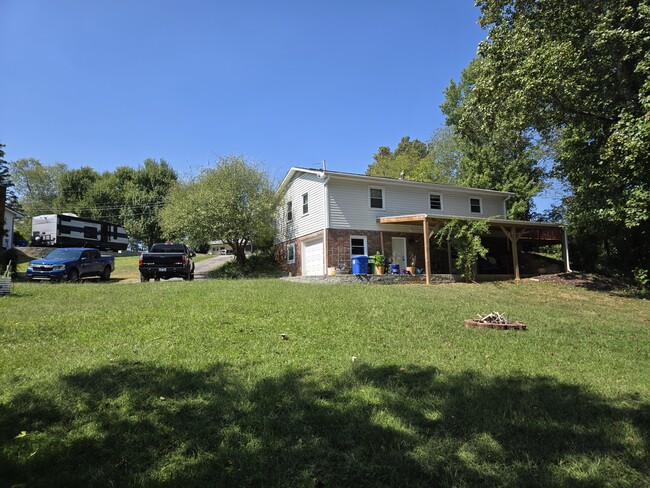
[73,188]
[37,185]
[144,191]
[492,157]
[575,76]
[437,160]
[234,201]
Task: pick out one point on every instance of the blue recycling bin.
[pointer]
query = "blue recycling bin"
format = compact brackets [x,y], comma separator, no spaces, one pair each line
[360,265]
[394,268]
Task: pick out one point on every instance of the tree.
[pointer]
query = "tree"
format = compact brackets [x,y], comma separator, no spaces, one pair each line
[467,234]
[234,202]
[74,185]
[145,191]
[492,158]
[37,185]
[575,76]
[435,161]
[5,177]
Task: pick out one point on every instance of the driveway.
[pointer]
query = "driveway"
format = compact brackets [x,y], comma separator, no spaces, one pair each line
[202,268]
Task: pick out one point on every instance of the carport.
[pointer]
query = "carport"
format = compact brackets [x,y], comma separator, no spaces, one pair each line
[516,231]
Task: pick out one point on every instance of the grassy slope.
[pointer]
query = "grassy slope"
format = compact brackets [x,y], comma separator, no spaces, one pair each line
[185,383]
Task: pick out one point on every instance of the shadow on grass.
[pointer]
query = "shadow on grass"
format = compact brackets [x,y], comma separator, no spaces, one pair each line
[592,282]
[132,424]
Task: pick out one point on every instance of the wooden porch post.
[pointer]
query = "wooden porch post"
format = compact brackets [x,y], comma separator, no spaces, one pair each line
[513,238]
[565,251]
[515,253]
[427,257]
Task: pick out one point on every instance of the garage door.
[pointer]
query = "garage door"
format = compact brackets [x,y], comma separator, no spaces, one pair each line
[312,253]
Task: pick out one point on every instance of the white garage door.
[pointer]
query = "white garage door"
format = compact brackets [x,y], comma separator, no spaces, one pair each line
[312,258]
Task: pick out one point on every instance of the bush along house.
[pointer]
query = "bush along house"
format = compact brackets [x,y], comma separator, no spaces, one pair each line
[327,218]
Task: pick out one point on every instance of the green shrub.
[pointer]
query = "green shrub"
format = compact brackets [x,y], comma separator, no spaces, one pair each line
[256,266]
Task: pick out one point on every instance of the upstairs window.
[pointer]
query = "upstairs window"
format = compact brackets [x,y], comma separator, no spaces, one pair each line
[289,211]
[305,204]
[475,205]
[377,198]
[435,201]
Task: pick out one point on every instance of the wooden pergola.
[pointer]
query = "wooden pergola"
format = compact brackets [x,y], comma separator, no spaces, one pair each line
[513,230]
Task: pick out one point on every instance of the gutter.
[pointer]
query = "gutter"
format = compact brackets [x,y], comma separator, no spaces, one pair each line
[326,220]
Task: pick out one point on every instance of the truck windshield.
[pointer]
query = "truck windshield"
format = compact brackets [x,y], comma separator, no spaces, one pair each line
[63,255]
[167,248]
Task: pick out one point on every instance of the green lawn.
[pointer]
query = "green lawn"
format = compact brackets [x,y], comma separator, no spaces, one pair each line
[190,384]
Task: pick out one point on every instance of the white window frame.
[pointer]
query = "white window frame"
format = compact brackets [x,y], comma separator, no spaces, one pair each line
[289,260]
[480,202]
[383,197]
[289,211]
[441,201]
[305,196]
[365,246]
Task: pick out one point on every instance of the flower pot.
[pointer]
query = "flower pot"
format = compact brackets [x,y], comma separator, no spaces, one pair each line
[411,270]
[379,270]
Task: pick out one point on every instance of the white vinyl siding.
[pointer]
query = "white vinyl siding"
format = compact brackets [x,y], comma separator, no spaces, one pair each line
[301,225]
[349,208]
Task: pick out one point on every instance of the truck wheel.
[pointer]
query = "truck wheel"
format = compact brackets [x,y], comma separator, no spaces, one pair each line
[143,278]
[106,274]
[73,276]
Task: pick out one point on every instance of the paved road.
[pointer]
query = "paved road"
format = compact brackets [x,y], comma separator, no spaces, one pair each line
[202,268]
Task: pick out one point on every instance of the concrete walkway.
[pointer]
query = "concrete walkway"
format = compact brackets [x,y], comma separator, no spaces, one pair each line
[202,268]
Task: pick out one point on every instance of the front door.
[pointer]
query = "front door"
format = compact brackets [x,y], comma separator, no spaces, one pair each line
[399,252]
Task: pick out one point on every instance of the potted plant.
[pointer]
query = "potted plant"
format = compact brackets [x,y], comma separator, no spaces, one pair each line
[413,261]
[380,260]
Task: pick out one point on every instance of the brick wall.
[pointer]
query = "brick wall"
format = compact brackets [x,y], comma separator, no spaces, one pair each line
[338,249]
[339,245]
[281,251]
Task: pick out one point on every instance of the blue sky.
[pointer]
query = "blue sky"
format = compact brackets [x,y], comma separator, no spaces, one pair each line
[287,83]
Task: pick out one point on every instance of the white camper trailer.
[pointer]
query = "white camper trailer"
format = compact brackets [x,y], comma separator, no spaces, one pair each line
[65,230]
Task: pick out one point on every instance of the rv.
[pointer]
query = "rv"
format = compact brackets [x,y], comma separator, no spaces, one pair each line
[68,230]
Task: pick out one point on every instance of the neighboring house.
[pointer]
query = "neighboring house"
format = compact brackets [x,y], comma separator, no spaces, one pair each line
[330,217]
[9,216]
[221,247]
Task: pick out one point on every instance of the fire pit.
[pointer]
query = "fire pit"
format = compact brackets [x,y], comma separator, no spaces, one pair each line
[494,320]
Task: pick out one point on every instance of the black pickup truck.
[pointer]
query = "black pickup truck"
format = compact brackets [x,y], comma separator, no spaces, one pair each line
[167,261]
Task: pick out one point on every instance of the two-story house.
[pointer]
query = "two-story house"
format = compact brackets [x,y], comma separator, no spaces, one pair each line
[329,217]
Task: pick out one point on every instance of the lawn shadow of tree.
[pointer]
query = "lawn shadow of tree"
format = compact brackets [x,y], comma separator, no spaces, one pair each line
[135,424]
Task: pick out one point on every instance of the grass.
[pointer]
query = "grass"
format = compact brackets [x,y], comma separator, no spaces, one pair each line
[190,384]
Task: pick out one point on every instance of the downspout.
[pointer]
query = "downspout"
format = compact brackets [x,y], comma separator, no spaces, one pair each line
[326,223]
[505,208]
